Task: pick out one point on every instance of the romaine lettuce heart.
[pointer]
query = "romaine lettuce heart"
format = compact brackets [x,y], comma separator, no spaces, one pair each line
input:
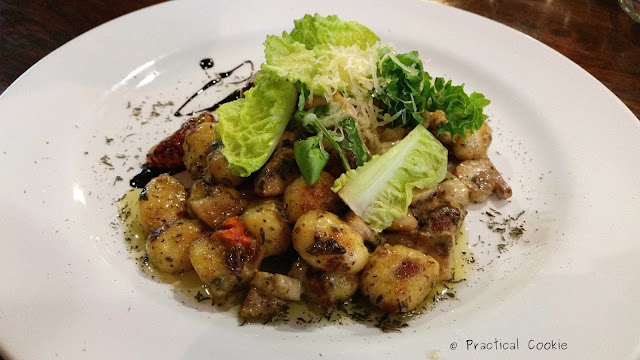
[251,127]
[318,30]
[381,190]
[326,54]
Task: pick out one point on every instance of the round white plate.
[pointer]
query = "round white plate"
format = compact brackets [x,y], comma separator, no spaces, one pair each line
[566,144]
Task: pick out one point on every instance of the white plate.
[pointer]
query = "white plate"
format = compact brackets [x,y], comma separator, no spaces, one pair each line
[567,145]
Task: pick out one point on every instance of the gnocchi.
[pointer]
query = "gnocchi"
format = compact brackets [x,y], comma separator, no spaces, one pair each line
[266,221]
[397,278]
[299,198]
[162,200]
[327,243]
[168,246]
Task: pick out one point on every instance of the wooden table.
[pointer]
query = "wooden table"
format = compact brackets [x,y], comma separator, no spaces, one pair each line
[596,34]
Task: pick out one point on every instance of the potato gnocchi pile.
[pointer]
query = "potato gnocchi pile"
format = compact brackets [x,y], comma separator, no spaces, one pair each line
[222,226]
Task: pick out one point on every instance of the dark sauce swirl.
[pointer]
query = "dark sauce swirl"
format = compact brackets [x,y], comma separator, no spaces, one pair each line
[206,63]
[220,76]
[148,171]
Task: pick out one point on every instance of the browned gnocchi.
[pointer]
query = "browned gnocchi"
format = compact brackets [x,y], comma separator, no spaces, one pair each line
[168,246]
[266,221]
[222,266]
[197,146]
[299,198]
[214,204]
[163,199]
[280,171]
[327,243]
[323,287]
[217,171]
[397,278]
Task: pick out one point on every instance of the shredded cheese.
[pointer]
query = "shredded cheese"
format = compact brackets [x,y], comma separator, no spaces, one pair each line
[352,72]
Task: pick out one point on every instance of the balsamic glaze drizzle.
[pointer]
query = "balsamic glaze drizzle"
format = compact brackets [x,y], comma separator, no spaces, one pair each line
[206,63]
[237,94]
[233,96]
[147,173]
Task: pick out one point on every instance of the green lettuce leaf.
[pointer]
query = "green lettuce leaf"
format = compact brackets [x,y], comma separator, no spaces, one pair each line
[312,124]
[251,127]
[289,59]
[463,112]
[411,90]
[324,53]
[316,30]
[405,95]
[381,190]
[311,158]
[351,141]
[310,155]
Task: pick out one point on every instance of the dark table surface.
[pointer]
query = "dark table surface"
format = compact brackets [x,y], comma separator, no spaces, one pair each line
[596,34]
